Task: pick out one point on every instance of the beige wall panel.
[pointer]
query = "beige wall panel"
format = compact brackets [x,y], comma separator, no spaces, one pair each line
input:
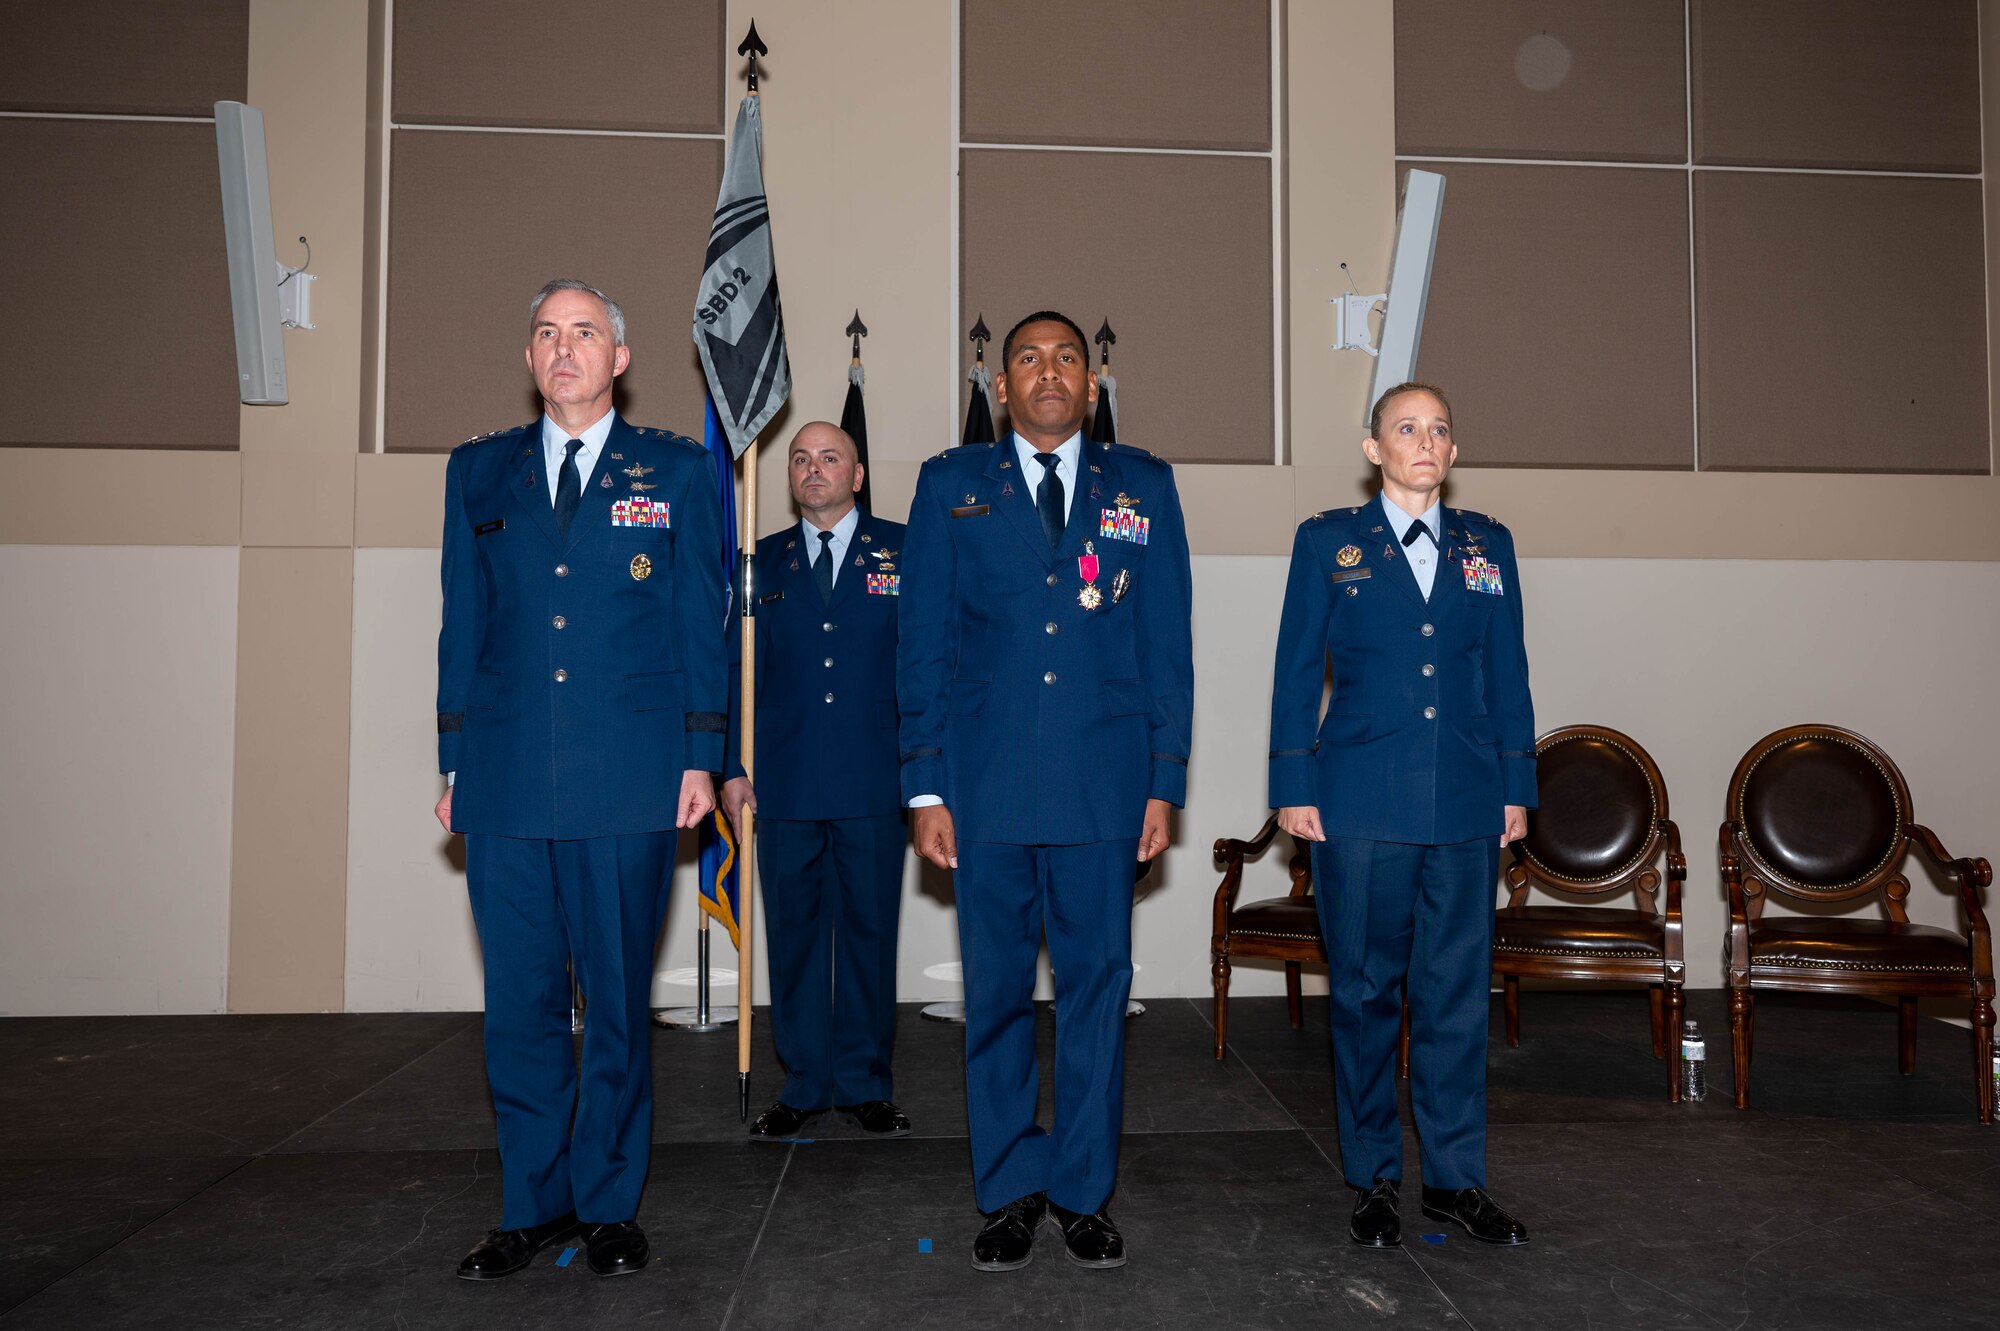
[123,57]
[289,871]
[471,240]
[1575,79]
[858,170]
[1549,279]
[309,66]
[628,64]
[1838,83]
[82,496]
[127,217]
[115,792]
[1184,275]
[1124,73]
[399,499]
[1801,373]
[1340,207]
[299,499]
[1237,510]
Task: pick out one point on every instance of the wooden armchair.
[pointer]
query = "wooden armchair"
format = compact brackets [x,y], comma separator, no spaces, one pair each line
[1282,928]
[1820,814]
[1602,829]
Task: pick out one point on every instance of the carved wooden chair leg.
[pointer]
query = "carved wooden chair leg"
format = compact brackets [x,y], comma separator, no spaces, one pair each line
[1675,1003]
[1220,971]
[1906,1035]
[1510,1005]
[1982,1055]
[1742,1028]
[1294,1004]
[1656,1001]
[1403,1044]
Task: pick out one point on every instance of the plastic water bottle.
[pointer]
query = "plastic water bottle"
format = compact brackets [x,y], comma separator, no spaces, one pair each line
[1694,1063]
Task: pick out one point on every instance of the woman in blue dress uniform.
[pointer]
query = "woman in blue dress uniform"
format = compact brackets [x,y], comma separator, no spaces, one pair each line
[1421,769]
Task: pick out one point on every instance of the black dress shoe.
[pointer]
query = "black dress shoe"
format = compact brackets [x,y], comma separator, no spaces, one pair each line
[781,1121]
[1474,1212]
[877,1118]
[505,1251]
[1375,1223]
[616,1249]
[1091,1240]
[1007,1241]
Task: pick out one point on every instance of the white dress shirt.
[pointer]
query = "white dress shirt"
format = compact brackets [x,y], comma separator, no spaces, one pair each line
[1424,552]
[553,441]
[843,534]
[1069,459]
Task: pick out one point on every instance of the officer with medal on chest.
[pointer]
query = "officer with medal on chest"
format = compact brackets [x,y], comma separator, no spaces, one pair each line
[1045,672]
[830,833]
[1421,770]
[581,710]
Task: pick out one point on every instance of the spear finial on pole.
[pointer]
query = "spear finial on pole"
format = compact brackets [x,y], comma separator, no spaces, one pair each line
[1105,340]
[753,46]
[980,336]
[857,330]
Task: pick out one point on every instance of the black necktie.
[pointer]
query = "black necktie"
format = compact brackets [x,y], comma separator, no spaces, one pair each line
[1417,529]
[823,567]
[569,488]
[1050,503]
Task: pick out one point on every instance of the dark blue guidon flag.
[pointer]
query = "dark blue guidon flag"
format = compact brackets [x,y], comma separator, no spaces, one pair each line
[716,838]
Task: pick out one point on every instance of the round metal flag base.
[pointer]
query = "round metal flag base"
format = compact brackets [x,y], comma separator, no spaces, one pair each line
[689,1019]
[1133,1008]
[953,1012]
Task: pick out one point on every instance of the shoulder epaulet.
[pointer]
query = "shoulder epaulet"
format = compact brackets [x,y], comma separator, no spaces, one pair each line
[1481,517]
[1134,451]
[492,434]
[668,437]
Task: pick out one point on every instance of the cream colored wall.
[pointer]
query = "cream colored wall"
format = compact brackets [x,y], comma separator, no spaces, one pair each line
[116,727]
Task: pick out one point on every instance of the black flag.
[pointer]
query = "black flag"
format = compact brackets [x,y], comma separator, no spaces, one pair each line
[1104,429]
[979,411]
[854,415]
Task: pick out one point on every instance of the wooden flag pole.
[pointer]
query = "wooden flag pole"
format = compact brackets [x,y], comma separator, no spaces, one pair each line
[746,829]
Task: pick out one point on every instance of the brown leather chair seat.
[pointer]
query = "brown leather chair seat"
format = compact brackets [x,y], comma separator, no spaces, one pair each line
[1281,917]
[1578,931]
[1858,945]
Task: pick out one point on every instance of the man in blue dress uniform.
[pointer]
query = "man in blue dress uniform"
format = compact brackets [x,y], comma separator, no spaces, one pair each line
[581,699]
[1046,677]
[1423,767]
[829,818]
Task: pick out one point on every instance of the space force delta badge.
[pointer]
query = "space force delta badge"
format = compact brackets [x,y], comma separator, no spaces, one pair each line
[1122,524]
[1481,576]
[633,511]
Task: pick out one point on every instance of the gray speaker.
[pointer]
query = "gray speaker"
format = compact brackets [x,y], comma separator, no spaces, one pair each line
[254,271]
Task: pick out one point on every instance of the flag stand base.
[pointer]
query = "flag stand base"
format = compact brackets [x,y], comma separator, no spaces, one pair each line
[699,1019]
[953,1012]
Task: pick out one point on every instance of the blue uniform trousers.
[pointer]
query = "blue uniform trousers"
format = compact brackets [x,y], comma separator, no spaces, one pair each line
[1393,913]
[538,904]
[1006,895]
[833,894]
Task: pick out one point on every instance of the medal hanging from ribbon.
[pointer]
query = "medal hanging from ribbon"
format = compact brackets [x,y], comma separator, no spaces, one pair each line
[1086,568]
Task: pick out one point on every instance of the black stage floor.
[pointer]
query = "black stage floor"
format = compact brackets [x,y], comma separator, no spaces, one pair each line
[329,1171]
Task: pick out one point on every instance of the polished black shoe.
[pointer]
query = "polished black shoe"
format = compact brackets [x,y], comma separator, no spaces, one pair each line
[618,1249]
[1007,1242]
[781,1122]
[1375,1223]
[1091,1239]
[877,1118]
[505,1251]
[1474,1212]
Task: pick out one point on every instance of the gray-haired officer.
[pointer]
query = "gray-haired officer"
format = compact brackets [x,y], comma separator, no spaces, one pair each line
[1423,767]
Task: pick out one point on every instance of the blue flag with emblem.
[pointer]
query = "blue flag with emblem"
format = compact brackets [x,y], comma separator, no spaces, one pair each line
[717,839]
[739,328]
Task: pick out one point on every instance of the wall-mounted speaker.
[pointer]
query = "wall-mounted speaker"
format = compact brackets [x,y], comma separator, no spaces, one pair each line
[254,271]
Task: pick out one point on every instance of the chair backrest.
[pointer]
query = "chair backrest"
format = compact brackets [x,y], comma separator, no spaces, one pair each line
[1601,807]
[1820,812]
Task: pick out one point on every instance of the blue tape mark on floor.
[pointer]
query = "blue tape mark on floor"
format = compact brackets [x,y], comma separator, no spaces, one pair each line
[567,1253]
[923,1245]
[1433,1238]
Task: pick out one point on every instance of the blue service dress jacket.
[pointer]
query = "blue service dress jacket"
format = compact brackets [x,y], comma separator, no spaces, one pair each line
[826,678]
[579,679]
[1430,730]
[1046,695]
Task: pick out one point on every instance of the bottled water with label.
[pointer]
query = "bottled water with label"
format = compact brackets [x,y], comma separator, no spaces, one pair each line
[1694,1063]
